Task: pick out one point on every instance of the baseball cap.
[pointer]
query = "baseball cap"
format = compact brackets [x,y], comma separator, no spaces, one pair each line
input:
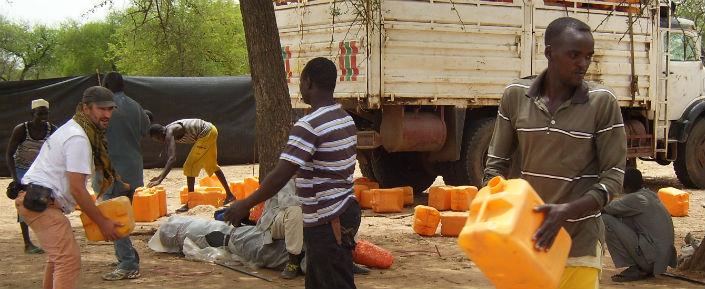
[39,103]
[100,96]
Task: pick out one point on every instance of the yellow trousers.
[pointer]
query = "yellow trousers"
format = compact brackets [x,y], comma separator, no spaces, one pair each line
[203,155]
[580,278]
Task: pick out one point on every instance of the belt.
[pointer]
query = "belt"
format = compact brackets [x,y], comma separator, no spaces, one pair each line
[36,188]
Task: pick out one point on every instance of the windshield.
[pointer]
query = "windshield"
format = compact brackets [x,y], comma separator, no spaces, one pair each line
[682,47]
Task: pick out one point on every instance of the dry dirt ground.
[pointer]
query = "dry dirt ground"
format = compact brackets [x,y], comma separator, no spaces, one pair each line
[420,262]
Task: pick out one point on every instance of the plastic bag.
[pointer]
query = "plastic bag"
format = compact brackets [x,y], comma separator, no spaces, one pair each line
[182,234]
[171,235]
[208,254]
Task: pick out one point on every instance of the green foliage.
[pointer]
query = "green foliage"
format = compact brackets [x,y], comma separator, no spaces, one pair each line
[181,38]
[83,48]
[25,50]
[693,10]
[151,38]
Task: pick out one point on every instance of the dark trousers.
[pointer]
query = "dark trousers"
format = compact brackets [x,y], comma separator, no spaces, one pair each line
[329,265]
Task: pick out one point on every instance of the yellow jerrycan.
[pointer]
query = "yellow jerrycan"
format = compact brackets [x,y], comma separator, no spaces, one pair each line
[118,209]
[675,201]
[498,237]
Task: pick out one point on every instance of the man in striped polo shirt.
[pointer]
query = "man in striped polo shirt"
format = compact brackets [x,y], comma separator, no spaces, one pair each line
[321,151]
[572,143]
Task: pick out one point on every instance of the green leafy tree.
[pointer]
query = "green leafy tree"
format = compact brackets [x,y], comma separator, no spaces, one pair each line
[695,11]
[180,38]
[81,49]
[26,49]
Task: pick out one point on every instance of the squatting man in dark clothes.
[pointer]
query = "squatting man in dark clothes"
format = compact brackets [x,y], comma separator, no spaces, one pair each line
[321,151]
[639,231]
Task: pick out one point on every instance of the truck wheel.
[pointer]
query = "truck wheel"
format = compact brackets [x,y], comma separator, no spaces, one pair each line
[470,168]
[400,169]
[690,160]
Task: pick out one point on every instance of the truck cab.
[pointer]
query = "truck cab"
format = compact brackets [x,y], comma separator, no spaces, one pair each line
[684,95]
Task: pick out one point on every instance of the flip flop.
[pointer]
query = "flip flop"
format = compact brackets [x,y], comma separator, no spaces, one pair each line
[629,278]
[34,250]
[184,208]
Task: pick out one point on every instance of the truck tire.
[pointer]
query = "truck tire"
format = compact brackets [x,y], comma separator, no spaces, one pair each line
[470,168]
[690,158]
[366,166]
[400,170]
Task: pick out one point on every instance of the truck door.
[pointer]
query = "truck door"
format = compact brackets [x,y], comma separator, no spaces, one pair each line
[685,72]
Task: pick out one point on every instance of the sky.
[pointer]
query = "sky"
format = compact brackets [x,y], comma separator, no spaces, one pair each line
[54,12]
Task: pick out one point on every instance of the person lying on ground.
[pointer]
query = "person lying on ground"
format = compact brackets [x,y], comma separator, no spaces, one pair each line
[639,231]
[25,141]
[204,152]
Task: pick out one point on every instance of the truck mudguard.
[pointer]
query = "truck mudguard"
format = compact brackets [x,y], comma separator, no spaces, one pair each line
[680,129]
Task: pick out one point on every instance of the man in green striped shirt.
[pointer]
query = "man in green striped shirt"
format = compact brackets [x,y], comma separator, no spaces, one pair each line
[571,138]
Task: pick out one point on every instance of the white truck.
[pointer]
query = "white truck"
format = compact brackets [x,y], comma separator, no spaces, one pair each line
[423,78]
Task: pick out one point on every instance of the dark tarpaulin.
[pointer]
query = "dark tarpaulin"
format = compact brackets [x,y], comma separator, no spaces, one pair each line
[227,102]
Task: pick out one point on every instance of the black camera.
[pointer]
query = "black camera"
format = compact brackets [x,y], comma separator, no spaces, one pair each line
[13,189]
[37,198]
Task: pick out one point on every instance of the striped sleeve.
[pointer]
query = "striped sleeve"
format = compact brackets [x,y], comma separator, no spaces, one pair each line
[503,141]
[611,145]
[301,145]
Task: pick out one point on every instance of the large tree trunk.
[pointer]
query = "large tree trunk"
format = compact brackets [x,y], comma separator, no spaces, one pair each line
[268,81]
[697,261]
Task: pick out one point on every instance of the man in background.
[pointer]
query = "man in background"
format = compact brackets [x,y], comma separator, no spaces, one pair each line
[203,155]
[25,142]
[126,128]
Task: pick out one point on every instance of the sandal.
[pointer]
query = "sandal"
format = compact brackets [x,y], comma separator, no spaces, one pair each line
[631,274]
[184,208]
[33,250]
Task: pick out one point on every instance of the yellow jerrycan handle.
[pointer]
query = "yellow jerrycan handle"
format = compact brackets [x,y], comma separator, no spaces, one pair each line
[495,185]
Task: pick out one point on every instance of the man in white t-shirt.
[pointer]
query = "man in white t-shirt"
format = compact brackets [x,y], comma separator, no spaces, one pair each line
[56,182]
